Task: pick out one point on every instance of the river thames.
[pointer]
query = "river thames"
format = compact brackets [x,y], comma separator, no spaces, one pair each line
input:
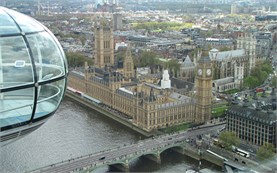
[75,131]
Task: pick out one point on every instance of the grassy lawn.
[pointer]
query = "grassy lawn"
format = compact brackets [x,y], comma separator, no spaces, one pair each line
[259,94]
[219,111]
[176,128]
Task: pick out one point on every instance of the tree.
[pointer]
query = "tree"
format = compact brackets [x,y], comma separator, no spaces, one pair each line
[161,26]
[267,67]
[265,152]
[147,58]
[251,82]
[258,75]
[173,66]
[209,33]
[77,59]
[229,139]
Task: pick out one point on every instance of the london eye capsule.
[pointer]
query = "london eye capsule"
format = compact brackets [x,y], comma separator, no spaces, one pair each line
[33,71]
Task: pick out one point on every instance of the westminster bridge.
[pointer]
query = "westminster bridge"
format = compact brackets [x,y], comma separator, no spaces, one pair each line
[151,148]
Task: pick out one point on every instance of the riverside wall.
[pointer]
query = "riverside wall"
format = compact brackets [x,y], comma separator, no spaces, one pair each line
[109,114]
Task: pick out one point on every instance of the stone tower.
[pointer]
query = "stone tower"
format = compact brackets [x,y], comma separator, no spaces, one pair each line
[165,82]
[128,65]
[203,85]
[103,43]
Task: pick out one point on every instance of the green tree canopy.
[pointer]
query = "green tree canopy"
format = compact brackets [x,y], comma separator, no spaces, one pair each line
[147,58]
[80,37]
[173,66]
[251,82]
[258,75]
[161,26]
[77,59]
[229,139]
[265,152]
[267,68]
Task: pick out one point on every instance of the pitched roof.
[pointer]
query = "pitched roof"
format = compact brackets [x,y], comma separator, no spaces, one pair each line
[181,84]
[227,54]
[187,62]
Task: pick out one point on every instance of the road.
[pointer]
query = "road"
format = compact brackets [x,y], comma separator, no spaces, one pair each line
[127,151]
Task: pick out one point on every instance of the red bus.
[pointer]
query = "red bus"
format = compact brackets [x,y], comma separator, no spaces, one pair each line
[259,90]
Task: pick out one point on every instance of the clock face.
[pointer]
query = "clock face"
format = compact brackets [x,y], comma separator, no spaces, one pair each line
[199,72]
[209,72]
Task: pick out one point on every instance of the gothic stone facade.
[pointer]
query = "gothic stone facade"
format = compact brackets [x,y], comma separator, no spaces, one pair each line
[149,106]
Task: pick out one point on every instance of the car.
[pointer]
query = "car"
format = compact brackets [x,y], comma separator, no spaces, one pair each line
[251,151]
[102,158]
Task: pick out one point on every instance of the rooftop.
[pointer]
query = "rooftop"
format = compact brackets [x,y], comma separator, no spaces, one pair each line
[227,54]
[252,114]
[262,109]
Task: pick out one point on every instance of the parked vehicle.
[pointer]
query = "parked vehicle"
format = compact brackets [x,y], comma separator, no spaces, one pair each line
[102,158]
[259,90]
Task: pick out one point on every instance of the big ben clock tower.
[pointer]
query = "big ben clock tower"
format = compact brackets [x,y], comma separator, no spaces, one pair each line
[203,85]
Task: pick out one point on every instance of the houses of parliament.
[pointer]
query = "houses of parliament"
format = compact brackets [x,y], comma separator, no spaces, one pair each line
[149,104]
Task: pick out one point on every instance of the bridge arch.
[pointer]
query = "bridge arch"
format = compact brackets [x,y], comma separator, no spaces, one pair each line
[176,148]
[154,156]
[120,165]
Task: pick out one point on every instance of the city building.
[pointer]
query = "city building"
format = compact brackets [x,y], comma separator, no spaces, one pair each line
[147,99]
[139,40]
[182,86]
[270,16]
[217,43]
[117,21]
[104,43]
[33,73]
[187,70]
[225,84]
[234,9]
[230,68]
[254,122]
[203,86]
[128,66]
[264,43]
[247,41]
[147,105]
